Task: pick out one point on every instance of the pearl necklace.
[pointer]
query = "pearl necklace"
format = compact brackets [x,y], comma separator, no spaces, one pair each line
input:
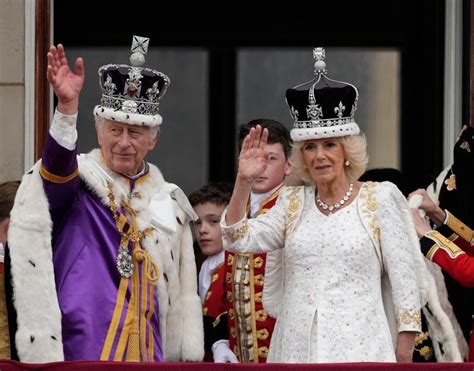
[338,204]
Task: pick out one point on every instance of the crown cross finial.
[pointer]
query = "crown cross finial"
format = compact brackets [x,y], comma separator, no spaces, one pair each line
[139,49]
[140,44]
[319,55]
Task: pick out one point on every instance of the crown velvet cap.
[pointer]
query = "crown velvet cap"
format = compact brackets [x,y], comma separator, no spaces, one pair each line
[130,93]
[323,112]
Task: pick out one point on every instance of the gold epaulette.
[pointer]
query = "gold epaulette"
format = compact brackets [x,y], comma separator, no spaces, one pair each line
[441,242]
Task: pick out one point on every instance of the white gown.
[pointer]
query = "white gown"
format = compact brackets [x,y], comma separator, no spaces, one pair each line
[332,308]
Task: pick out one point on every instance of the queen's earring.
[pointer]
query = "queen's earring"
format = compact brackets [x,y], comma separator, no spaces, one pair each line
[347,163]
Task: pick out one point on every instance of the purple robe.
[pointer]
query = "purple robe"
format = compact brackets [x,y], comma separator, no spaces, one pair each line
[85,247]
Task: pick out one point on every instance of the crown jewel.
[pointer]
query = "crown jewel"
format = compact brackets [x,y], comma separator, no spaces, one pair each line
[132,93]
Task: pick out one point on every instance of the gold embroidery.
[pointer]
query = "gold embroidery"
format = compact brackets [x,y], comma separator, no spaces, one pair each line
[4,330]
[451,183]
[208,295]
[228,277]
[262,334]
[258,262]
[408,317]
[231,314]
[368,207]
[236,234]
[230,259]
[230,299]
[460,228]
[263,352]
[420,338]
[465,145]
[261,315]
[425,351]
[258,297]
[215,277]
[259,279]
[293,207]
[233,332]
[218,319]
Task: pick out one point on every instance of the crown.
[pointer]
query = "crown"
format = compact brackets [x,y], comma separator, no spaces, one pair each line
[323,112]
[131,93]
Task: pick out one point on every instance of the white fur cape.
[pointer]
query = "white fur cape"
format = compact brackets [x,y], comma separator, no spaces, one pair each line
[38,338]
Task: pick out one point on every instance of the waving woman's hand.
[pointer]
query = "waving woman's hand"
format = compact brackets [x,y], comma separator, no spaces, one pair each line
[253,159]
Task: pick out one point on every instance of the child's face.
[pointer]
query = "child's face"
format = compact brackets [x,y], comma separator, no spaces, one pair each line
[278,168]
[207,229]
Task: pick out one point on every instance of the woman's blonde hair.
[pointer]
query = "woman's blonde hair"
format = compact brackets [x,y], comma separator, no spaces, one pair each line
[355,151]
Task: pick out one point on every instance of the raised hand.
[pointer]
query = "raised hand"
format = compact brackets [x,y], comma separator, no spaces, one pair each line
[253,159]
[67,84]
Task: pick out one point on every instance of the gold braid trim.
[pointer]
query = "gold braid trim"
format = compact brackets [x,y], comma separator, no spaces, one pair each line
[460,228]
[45,174]
[441,242]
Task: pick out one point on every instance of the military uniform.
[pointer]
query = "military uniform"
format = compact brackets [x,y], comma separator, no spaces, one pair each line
[250,327]
[456,195]
[215,326]
[447,253]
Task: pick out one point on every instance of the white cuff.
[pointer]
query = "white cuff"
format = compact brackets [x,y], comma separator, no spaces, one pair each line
[445,221]
[63,130]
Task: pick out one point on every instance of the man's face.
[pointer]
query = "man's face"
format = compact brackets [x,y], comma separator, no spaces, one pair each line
[124,146]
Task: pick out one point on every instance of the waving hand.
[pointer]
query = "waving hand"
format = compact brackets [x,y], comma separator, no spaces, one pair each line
[67,84]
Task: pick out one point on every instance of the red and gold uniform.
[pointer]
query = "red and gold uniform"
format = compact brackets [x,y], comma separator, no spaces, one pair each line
[454,254]
[212,311]
[250,327]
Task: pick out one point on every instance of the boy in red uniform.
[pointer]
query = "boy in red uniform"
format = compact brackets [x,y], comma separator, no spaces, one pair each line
[209,202]
[250,327]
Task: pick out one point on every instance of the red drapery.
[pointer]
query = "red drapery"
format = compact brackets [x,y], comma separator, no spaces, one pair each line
[119,366]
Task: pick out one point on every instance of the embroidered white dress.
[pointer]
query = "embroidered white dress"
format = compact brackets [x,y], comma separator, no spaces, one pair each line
[332,308]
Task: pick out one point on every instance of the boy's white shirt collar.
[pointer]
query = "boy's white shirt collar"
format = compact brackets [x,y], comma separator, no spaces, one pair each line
[207,267]
[256,200]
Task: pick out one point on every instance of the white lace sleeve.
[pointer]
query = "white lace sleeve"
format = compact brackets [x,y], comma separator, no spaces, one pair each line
[399,248]
[261,234]
[63,130]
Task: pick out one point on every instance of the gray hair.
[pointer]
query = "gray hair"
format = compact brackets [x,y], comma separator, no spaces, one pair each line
[355,150]
[99,121]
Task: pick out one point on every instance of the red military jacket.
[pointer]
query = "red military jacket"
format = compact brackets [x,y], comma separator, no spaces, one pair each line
[250,327]
[455,253]
[447,253]
[212,310]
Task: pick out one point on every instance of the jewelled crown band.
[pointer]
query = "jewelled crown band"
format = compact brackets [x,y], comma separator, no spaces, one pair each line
[130,93]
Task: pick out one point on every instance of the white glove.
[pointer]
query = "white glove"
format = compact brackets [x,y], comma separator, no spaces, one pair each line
[414,202]
[222,353]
